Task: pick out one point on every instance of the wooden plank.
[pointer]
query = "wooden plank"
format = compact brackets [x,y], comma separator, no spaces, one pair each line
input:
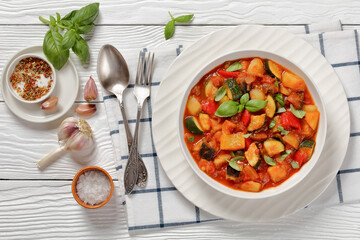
[206,12]
[22,144]
[47,210]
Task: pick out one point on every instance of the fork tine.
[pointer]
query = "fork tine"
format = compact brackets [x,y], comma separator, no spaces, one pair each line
[141,70]
[148,64]
[151,68]
[138,69]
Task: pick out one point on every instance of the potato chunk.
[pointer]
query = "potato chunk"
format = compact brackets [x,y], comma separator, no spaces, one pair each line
[277,173]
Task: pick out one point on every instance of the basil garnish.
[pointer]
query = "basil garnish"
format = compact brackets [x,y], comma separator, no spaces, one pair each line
[272,124]
[282,130]
[285,154]
[269,160]
[238,158]
[255,105]
[220,93]
[295,164]
[297,113]
[191,139]
[227,109]
[246,135]
[281,110]
[170,26]
[234,165]
[276,82]
[244,98]
[279,97]
[233,67]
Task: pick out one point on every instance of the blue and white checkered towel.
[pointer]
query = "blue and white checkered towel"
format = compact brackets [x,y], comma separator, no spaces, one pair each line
[160,205]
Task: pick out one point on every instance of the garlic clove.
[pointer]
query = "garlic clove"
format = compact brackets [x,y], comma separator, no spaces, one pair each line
[50,103]
[90,90]
[66,128]
[86,110]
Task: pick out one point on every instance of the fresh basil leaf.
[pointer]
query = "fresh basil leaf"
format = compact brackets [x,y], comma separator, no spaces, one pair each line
[69,39]
[272,124]
[221,92]
[280,128]
[86,15]
[81,49]
[184,18]
[169,29]
[281,110]
[69,16]
[233,67]
[297,113]
[285,154]
[58,18]
[269,160]
[255,105]
[52,21]
[284,132]
[276,82]
[227,109]
[279,97]
[232,154]
[246,135]
[240,108]
[191,139]
[85,29]
[295,164]
[234,165]
[53,50]
[238,158]
[244,98]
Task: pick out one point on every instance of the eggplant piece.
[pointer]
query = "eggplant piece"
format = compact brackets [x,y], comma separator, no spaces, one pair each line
[206,152]
[244,87]
[232,172]
[239,153]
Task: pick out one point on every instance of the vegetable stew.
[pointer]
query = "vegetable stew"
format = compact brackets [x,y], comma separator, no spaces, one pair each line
[250,124]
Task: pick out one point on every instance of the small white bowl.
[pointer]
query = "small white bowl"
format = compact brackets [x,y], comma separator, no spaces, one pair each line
[295,178]
[11,70]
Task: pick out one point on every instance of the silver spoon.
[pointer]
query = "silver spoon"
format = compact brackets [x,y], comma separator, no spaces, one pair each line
[113,74]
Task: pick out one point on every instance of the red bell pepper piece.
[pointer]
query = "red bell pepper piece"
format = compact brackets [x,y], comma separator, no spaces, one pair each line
[245,118]
[288,120]
[217,81]
[228,74]
[248,142]
[210,107]
[300,157]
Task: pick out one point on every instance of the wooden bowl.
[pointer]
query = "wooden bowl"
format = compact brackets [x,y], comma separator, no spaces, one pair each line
[76,178]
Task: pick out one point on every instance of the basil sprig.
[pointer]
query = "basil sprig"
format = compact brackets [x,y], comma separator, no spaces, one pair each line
[230,108]
[285,154]
[281,110]
[233,67]
[221,92]
[297,113]
[170,26]
[56,46]
[282,130]
[269,160]
[295,164]
[191,139]
[234,165]
[272,124]
[246,135]
[279,97]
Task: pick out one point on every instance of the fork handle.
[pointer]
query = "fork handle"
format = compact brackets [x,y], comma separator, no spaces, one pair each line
[126,124]
[131,170]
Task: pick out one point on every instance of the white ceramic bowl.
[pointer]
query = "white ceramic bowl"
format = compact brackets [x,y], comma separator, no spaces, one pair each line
[295,178]
[11,68]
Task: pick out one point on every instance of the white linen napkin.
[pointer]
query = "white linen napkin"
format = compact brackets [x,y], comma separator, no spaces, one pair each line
[159,204]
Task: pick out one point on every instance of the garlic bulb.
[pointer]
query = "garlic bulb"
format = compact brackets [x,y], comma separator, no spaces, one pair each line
[50,103]
[74,134]
[90,90]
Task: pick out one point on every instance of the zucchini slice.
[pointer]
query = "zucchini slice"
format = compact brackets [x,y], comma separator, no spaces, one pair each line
[292,140]
[193,125]
[307,146]
[194,106]
[253,155]
[256,122]
[270,108]
[233,89]
[257,93]
[206,152]
[210,90]
[273,69]
[204,120]
[273,147]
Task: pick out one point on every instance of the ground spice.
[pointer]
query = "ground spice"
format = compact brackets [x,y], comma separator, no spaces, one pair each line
[27,76]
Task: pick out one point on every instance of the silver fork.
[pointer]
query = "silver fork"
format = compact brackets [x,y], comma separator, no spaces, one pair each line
[142,92]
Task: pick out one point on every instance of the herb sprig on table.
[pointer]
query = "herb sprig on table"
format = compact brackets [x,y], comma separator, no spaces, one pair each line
[56,46]
[170,26]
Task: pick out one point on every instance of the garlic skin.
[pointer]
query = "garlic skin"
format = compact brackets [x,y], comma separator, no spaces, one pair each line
[50,103]
[86,110]
[75,134]
[90,90]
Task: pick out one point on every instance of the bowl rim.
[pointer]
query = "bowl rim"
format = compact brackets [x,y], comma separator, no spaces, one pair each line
[76,178]
[11,67]
[267,192]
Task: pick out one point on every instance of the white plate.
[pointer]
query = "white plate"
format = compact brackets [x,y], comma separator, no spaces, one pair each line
[201,53]
[66,89]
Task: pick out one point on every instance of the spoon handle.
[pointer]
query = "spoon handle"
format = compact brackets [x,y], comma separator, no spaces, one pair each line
[126,124]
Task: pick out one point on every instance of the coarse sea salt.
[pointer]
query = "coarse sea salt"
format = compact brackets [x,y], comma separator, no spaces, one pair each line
[93,187]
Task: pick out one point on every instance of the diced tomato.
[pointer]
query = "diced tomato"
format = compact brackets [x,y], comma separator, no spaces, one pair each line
[248,141]
[207,166]
[245,118]
[210,107]
[250,173]
[268,79]
[288,120]
[217,81]
[300,157]
[228,74]
[228,127]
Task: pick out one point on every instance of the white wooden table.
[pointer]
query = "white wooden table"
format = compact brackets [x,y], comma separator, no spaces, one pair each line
[39,205]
